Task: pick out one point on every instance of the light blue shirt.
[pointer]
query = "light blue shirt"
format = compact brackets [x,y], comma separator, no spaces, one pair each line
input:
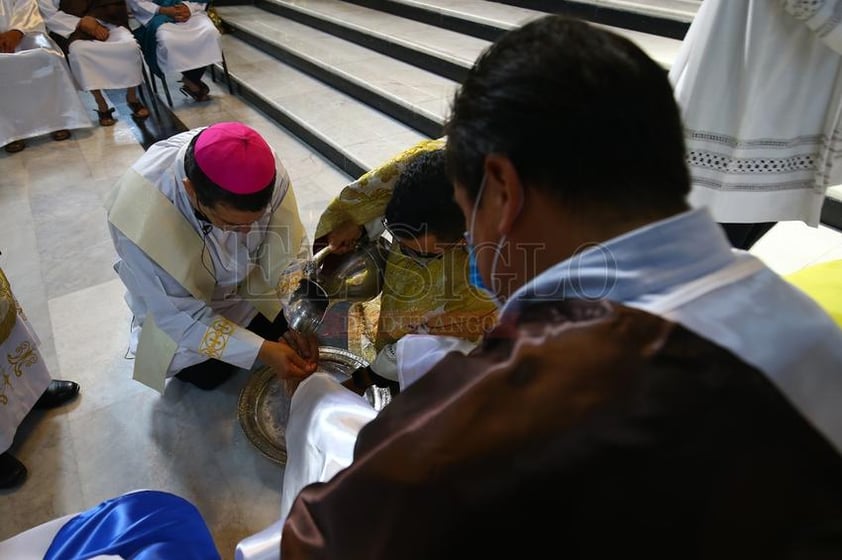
[763,319]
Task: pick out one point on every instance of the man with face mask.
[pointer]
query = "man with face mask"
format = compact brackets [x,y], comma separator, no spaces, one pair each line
[646,393]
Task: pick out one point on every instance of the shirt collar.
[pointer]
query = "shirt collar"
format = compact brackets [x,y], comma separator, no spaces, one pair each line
[645,262]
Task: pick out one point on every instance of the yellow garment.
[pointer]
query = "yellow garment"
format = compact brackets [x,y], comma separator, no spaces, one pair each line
[823,283]
[366,198]
[435,298]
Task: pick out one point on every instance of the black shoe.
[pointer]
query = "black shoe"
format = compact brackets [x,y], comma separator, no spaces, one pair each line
[58,393]
[12,471]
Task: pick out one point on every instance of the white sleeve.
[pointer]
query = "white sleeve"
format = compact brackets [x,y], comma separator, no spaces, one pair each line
[416,354]
[57,21]
[142,10]
[821,17]
[385,364]
[190,322]
[25,17]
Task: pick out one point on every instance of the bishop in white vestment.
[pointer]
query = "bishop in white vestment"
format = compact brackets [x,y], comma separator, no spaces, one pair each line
[38,94]
[204,224]
[759,83]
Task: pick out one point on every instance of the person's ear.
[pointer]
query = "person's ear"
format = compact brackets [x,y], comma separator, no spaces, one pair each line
[504,189]
[191,190]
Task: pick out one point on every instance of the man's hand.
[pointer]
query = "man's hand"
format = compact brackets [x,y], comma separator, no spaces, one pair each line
[344,238]
[10,40]
[93,28]
[307,345]
[286,362]
[179,12]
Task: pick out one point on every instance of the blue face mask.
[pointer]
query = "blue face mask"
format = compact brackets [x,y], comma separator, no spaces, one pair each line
[474,277]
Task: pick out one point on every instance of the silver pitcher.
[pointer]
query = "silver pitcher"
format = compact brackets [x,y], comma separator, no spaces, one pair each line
[329,279]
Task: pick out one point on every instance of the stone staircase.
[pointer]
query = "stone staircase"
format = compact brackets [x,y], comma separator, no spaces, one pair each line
[358,81]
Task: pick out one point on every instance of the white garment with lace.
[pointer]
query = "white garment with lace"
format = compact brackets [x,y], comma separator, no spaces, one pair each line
[759,83]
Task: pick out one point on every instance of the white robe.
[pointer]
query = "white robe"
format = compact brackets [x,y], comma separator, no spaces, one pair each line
[23,374]
[38,93]
[759,83]
[111,64]
[150,289]
[185,45]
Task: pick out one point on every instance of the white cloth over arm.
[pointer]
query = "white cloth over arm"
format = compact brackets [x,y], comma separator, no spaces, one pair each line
[324,421]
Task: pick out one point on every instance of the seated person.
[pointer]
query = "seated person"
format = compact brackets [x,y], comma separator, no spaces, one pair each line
[27,383]
[178,37]
[426,288]
[38,93]
[204,223]
[102,52]
[647,393]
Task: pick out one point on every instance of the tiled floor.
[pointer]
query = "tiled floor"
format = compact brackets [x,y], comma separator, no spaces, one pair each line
[120,436]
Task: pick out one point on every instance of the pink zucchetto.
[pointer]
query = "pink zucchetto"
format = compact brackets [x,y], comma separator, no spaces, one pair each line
[235,157]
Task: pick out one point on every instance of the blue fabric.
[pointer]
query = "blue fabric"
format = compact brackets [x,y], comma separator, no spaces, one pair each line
[146,35]
[146,525]
[474,277]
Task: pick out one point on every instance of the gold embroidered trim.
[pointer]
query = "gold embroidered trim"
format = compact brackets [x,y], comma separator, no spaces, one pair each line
[216,338]
[23,356]
[9,308]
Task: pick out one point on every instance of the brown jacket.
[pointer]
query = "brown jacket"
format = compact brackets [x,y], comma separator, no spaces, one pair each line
[581,430]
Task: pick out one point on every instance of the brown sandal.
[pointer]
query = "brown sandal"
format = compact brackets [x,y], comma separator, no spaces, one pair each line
[15,147]
[60,135]
[137,107]
[105,118]
[199,96]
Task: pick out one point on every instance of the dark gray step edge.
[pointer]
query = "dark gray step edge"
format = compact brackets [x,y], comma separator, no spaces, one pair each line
[614,17]
[416,117]
[300,129]
[451,22]
[393,48]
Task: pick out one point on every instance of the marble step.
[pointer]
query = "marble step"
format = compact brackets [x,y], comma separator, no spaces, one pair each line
[488,20]
[348,133]
[441,51]
[667,18]
[405,92]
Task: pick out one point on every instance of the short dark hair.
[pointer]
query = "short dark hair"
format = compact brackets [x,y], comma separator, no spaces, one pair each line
[581,112]
[422,201]
[210,194]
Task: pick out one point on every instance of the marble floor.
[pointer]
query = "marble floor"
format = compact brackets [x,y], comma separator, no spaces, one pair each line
[118,435]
